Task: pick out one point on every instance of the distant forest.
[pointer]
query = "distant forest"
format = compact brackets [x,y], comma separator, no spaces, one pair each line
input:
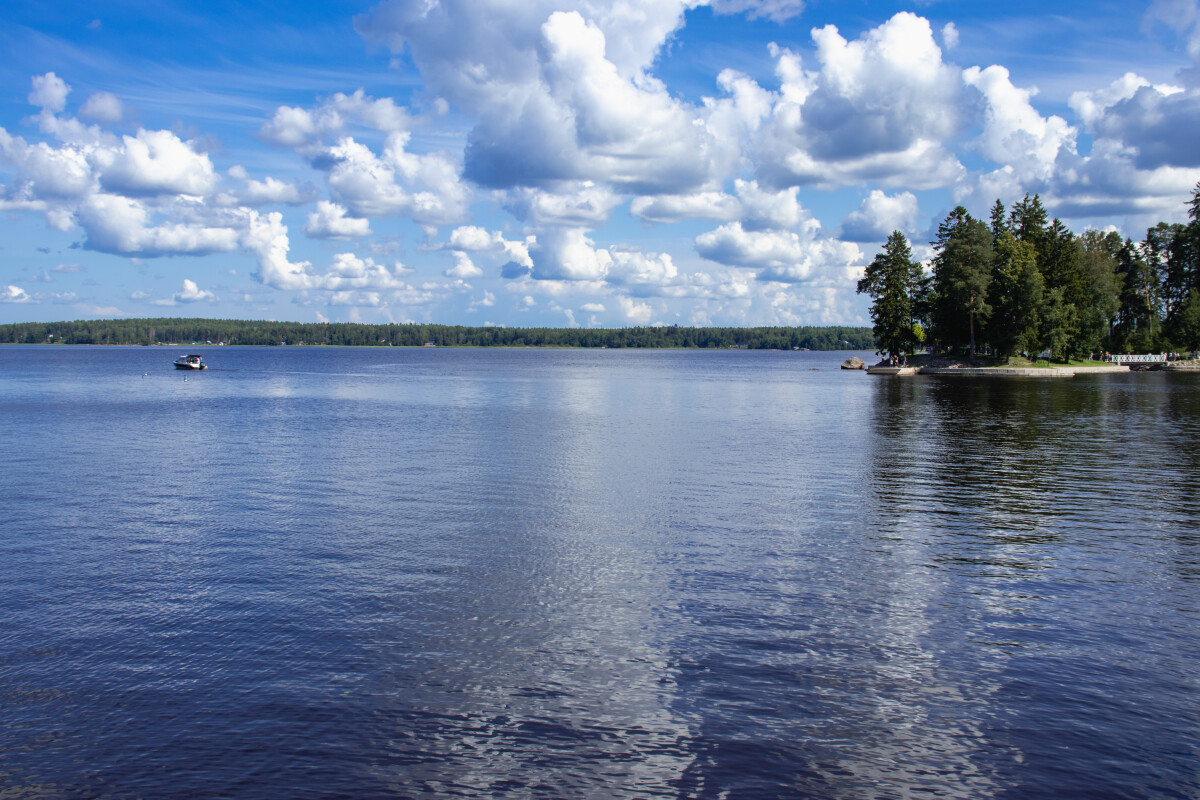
[344,334]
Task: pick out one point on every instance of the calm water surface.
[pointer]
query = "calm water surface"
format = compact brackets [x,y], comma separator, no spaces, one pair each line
[440,573]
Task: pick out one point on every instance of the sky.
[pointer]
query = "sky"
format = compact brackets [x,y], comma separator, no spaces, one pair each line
[559,162]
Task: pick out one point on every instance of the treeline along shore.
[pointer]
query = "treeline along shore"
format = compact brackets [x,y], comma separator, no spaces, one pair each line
[1019,284]
[350,334]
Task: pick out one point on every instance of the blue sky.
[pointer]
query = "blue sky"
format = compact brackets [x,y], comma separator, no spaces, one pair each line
[559,162]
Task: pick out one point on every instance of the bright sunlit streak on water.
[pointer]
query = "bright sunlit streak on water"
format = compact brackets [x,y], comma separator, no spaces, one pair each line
[313,572]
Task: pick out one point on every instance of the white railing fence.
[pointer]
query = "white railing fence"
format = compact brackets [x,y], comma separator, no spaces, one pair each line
[1149,358]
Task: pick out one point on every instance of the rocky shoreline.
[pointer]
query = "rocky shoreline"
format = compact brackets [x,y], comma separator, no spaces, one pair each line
[965,369]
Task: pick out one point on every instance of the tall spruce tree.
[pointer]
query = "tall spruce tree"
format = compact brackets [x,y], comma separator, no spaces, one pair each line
[1058,325]
[1016,295]
[1180,276]
[1138,287]
[891,281]
[1060,264]
[962,272]
[1098,253]
[998,223]
[1165,250]
[1185,325]
[943,316]
[1027,222]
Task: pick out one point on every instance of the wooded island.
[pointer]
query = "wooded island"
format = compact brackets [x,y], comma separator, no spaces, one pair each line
[1018,284]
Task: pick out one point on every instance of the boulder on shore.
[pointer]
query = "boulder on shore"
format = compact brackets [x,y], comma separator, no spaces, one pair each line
[854,362]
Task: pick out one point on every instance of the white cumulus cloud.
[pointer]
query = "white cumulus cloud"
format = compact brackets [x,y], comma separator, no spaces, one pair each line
[1156,123]
[49,92]
[425,188]
[633,311]
[103,107]
[783,256]
[464,268]
[123,225]
[880,108]
[14,294]
[291,126]
[1014,133]
[763,209]
[329,221]
[270,191]
[570,76]
[568,254]
[635,268]
[949,36]
[152,163]
[191,293]
[579,204]
[879,215]
[670,208]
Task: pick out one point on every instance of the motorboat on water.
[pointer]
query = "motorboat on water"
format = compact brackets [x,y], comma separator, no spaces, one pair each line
[190,362]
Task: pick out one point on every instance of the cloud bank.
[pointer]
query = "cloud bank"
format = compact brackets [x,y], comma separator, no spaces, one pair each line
[544,163]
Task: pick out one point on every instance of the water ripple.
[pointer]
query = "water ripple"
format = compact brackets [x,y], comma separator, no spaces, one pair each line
[386,573]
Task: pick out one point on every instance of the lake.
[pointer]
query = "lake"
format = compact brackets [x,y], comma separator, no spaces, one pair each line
[428,573]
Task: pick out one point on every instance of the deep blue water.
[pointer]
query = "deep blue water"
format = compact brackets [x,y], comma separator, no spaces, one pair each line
[429,573]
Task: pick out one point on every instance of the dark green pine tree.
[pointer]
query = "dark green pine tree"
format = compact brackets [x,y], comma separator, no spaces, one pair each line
[1165,250]
[1060,263]
[999,225]
[1066,291]
[1181,279]
[1027,221]
[1098,253]
[1016,295]
[1138,293]
[1059,324]
[962,272]
[891,280]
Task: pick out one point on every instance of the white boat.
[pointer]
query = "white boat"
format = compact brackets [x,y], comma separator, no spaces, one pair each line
[190,362]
